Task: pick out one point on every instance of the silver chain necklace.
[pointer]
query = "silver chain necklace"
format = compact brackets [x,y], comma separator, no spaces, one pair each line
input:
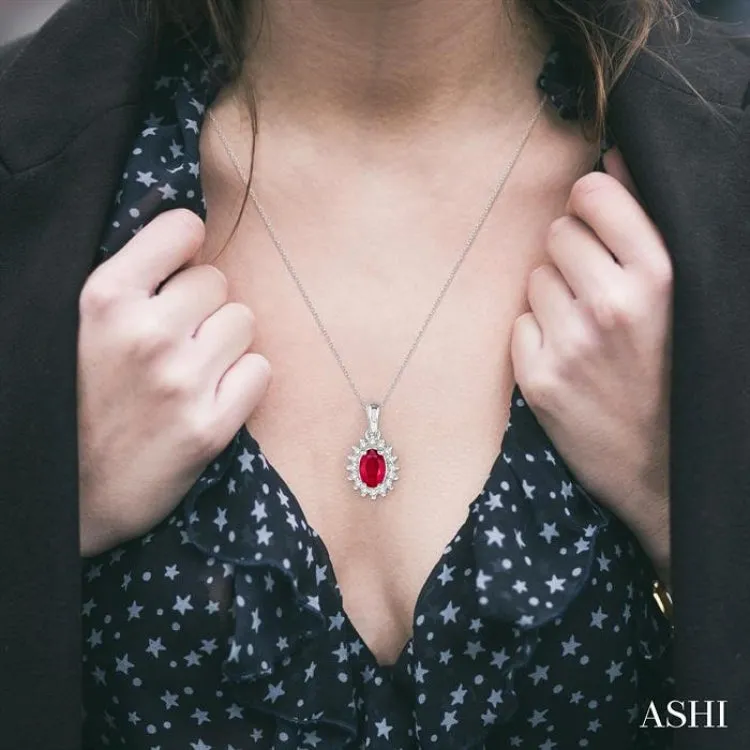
[372,466]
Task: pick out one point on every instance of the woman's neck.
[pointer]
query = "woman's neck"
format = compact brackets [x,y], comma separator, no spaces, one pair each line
[394,63]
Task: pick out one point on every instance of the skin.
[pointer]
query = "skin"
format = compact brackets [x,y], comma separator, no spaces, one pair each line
[176,364]
[383,127]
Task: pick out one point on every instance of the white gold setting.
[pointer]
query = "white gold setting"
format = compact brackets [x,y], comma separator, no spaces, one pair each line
[372,440]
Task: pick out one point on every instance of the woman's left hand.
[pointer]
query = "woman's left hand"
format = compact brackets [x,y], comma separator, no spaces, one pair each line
[592,357]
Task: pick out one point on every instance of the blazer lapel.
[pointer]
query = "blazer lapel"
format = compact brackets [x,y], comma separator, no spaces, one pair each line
[66,122]
[691,162]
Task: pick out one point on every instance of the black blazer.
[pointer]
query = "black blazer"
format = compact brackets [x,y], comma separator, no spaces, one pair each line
[69,107]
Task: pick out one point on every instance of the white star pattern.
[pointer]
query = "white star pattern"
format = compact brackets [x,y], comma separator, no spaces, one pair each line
[539,674]
[275,692]
[168,193]
[193,659]
[155,647]
[446,575]
[494,536]
[384,729]
[499,658]
[264,536]
[124,664]
[171,700]
[221,518]
[182,604]
[549,532]
[458,695]
[494,502]
[420,673]
[614,671]
[246,461]
[449,720]
[496,698]
[449,613]
[234,712]
[598,618]
[482,580]
[146,178]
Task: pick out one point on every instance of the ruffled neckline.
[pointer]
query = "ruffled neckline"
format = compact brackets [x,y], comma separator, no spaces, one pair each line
[567,80]
[288,579]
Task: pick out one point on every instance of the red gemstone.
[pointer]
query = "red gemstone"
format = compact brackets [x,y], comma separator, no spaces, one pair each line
[372,468]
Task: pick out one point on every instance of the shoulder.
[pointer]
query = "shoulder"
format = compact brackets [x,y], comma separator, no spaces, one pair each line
[685,100]
[705,59]
[89,59]
[10,50]
[681,118]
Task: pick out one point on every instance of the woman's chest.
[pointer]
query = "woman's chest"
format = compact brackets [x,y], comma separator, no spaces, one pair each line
[372,290]
[375,281]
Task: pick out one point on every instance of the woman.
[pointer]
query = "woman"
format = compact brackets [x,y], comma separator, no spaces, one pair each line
[477,570]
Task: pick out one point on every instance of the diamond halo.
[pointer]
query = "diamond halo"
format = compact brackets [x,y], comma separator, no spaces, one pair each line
[362,453]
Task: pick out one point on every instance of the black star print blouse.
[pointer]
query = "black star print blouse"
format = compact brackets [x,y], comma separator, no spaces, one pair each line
[223,628]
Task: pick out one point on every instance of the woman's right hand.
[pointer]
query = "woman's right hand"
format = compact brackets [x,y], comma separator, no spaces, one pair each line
[165,379]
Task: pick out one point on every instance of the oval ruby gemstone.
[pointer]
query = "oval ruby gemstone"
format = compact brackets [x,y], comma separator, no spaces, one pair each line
[372,468]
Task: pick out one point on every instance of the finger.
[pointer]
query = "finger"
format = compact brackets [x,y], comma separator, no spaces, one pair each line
[155,253]
[240,391]
[525,344]
[586,265]
[615,166]
[617,219]
[191,296]
[224,337]
[550,298]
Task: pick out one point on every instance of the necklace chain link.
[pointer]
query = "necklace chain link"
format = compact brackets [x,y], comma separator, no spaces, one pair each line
[497,189]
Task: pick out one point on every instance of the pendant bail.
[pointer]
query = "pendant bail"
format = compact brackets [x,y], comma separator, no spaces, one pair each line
[373,415]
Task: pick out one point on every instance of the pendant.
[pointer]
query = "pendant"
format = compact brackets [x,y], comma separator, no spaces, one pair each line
[372,468]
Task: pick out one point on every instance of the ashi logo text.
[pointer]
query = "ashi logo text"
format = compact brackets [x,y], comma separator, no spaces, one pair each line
[686,715]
